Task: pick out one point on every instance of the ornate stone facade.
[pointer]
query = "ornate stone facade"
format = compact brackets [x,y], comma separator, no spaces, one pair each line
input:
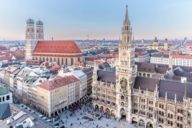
[150,101]
[125,70]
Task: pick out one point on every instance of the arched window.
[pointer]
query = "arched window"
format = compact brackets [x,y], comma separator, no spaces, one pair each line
[62,61]
[71,61]
[58,60]
[66,61]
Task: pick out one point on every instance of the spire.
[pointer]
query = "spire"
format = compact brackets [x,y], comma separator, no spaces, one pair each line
[126,31]
[184,81]
[175,98]
[126,21]
[185,93]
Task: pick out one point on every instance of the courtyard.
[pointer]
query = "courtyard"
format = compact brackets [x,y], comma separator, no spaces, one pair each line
[79,117]
[87,117]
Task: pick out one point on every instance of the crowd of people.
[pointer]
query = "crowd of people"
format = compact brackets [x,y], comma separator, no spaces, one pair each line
[86,116]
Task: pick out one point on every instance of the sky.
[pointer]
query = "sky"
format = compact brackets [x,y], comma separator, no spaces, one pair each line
[97,19]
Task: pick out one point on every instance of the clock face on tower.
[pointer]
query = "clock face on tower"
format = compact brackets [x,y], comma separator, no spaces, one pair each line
[123,83]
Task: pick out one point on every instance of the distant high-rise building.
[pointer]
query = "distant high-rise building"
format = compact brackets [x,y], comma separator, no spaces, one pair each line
[30,39]
[39,30]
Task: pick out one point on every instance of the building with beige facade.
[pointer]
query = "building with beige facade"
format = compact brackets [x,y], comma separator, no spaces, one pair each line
[53,97]
[156,45]
[149,95]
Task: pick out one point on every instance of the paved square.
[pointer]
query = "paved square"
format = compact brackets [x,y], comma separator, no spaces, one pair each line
[86,117]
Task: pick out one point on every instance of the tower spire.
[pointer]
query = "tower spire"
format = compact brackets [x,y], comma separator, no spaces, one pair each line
[185,93]
[126,21]
[126,31]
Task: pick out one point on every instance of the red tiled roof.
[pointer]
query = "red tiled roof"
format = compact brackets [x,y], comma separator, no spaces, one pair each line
[57,48]
[5,58]
[3,48]
[188,44]
[181,56]
[58,82]
[18,53]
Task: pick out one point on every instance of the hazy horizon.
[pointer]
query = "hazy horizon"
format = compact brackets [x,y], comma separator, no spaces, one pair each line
[82,19]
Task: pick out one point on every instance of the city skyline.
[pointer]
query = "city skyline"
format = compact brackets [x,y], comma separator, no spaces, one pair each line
[83,19]
[50,77]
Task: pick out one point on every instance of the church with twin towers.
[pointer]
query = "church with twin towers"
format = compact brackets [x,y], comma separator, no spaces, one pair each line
[37,49]
[34,32]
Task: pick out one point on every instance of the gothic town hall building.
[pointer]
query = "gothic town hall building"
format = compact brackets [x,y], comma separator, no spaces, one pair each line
[142,93]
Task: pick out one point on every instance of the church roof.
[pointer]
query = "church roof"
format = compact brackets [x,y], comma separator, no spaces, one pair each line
[57,48]
[30,21]
[39,22]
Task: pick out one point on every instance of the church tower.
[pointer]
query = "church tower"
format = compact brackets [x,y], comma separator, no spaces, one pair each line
[166,44]
[39,30]
[125,71]
[30,39]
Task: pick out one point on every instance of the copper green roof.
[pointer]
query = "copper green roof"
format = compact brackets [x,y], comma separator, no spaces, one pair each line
[3,91]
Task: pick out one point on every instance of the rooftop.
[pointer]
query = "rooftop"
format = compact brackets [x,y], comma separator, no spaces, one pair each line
[146,83]
[58,82]
[153,68]
[3,91]
[106,73]
[160,55]
[173,88]
[5,111]
[181,56]
[57,48]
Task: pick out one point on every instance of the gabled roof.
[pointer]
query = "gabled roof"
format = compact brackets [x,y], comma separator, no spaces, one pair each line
[170,87]
[58,82]
[181,56]
[174,87]
[152,68]
[160,55]
[104,65]
[56,48]
[146,67]
[146,83]
[106,76]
